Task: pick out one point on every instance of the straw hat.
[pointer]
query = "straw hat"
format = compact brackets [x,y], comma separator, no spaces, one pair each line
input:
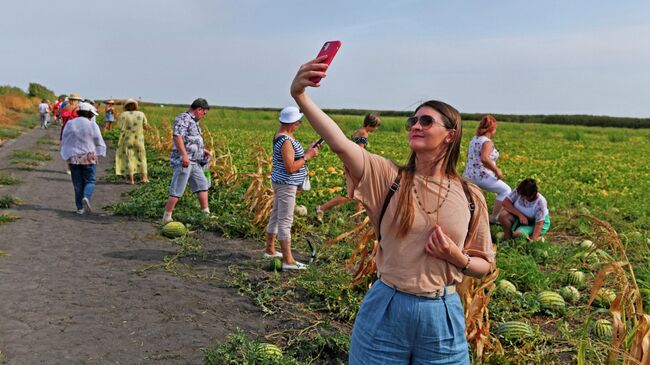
[111,101]
[74,96]
[129,101]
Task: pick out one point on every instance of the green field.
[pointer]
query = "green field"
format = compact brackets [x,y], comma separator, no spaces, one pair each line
[582,171]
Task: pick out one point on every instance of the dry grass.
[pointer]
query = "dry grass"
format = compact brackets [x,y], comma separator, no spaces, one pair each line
[630,326]
[258,197]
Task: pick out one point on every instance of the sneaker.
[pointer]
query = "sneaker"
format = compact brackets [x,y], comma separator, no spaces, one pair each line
[86,204]
[69,172]
[80,211]
[165,221]
[277,254]
[295,266]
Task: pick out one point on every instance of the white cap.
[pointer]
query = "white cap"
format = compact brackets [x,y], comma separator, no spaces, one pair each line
[88,107]
[289,115]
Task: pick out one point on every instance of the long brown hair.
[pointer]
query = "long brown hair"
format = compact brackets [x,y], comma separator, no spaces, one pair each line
[405,207]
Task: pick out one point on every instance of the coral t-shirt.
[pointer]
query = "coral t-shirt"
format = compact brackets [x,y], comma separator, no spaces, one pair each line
[402,262]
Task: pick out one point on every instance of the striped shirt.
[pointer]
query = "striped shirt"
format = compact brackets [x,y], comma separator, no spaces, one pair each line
[280,175]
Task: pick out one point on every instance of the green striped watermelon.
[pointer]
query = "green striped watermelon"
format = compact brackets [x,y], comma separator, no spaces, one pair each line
[603,329]
[506,288]
[551,300]
[604,298]
[514,331]
[587,244]
[570,294]
[575,278]
[174,229]
[268,353]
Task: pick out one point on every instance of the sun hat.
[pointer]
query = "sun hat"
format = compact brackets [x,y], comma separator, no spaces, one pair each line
[74,96]
[289,115]
[88,107]
[131,101]
[111,101]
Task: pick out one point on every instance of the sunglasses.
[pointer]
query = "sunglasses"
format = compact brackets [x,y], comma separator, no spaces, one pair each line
[426,122]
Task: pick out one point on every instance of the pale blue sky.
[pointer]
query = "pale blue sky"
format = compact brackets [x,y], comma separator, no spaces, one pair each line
[526,57]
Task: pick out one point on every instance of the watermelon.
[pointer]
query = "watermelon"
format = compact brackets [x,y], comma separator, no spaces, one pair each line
[268,353]
[551,300]
[300,210]
[570,294]
[588,257]
[604,298]
[514,331]
[575,278]
[276,264]
[603,329]
[174,230]
[587,244]
[506,288]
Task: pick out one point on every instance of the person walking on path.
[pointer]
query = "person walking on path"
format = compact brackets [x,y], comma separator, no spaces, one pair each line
[481,167]
[109,115]
[187,156]
[434,231]
[131,155]
[81,144]
[287,177]
[370,124]
[69,112]
[44,113]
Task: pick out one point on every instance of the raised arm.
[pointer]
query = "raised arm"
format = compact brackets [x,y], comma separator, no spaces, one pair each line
[349,152]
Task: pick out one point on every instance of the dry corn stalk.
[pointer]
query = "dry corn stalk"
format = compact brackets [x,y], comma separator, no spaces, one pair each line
[627,308]
[364,251]
[160,138]
[224,171]
[475,295]
[258,197]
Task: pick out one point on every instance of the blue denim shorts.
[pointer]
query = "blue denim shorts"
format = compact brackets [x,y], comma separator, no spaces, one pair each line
[393,327]
[192,174]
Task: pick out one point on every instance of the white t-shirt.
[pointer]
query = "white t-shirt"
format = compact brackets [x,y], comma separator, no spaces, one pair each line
[536,210]
[43,108]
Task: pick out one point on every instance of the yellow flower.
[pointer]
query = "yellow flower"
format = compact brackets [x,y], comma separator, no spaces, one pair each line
[312,173]
[331,170]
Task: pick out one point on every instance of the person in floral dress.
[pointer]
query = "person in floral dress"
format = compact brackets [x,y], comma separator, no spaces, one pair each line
[131,156]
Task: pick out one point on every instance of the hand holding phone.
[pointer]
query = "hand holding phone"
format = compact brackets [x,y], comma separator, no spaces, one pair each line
[318,143]
[329,49]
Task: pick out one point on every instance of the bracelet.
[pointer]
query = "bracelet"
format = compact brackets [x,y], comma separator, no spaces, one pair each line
[469,260]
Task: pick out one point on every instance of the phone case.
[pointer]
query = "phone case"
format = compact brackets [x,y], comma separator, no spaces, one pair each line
[329,48]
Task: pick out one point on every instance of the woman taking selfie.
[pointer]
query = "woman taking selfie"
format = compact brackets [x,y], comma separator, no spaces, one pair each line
[428,236]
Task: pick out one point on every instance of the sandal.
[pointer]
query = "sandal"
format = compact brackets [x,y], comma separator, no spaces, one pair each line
[295,266]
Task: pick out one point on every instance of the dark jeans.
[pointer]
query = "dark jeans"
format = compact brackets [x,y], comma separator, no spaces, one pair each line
[83,180]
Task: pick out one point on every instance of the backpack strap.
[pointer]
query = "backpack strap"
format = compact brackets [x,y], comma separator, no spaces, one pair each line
[391,191]
[470,202]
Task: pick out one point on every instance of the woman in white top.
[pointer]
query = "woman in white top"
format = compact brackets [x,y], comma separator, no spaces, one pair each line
[481,167]
[525,212]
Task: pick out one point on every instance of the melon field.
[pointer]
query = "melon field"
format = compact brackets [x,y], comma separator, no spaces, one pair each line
[595,179]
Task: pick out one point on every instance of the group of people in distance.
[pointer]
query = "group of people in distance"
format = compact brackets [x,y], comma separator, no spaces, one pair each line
[433,227]
[82,143]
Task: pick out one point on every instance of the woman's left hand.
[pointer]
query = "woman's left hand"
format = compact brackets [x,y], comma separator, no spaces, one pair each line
[440,246]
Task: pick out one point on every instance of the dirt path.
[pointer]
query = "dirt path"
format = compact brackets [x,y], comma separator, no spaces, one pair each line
[68,290]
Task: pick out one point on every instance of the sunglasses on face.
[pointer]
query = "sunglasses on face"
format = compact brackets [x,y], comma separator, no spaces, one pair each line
[426,122]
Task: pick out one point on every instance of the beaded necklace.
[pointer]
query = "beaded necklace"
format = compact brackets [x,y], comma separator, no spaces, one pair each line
[438,202]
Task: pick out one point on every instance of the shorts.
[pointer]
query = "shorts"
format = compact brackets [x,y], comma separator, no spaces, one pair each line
[528,230]
[192,174]
[109,118]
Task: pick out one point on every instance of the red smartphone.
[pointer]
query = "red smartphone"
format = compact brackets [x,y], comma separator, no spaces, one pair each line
[329,49]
